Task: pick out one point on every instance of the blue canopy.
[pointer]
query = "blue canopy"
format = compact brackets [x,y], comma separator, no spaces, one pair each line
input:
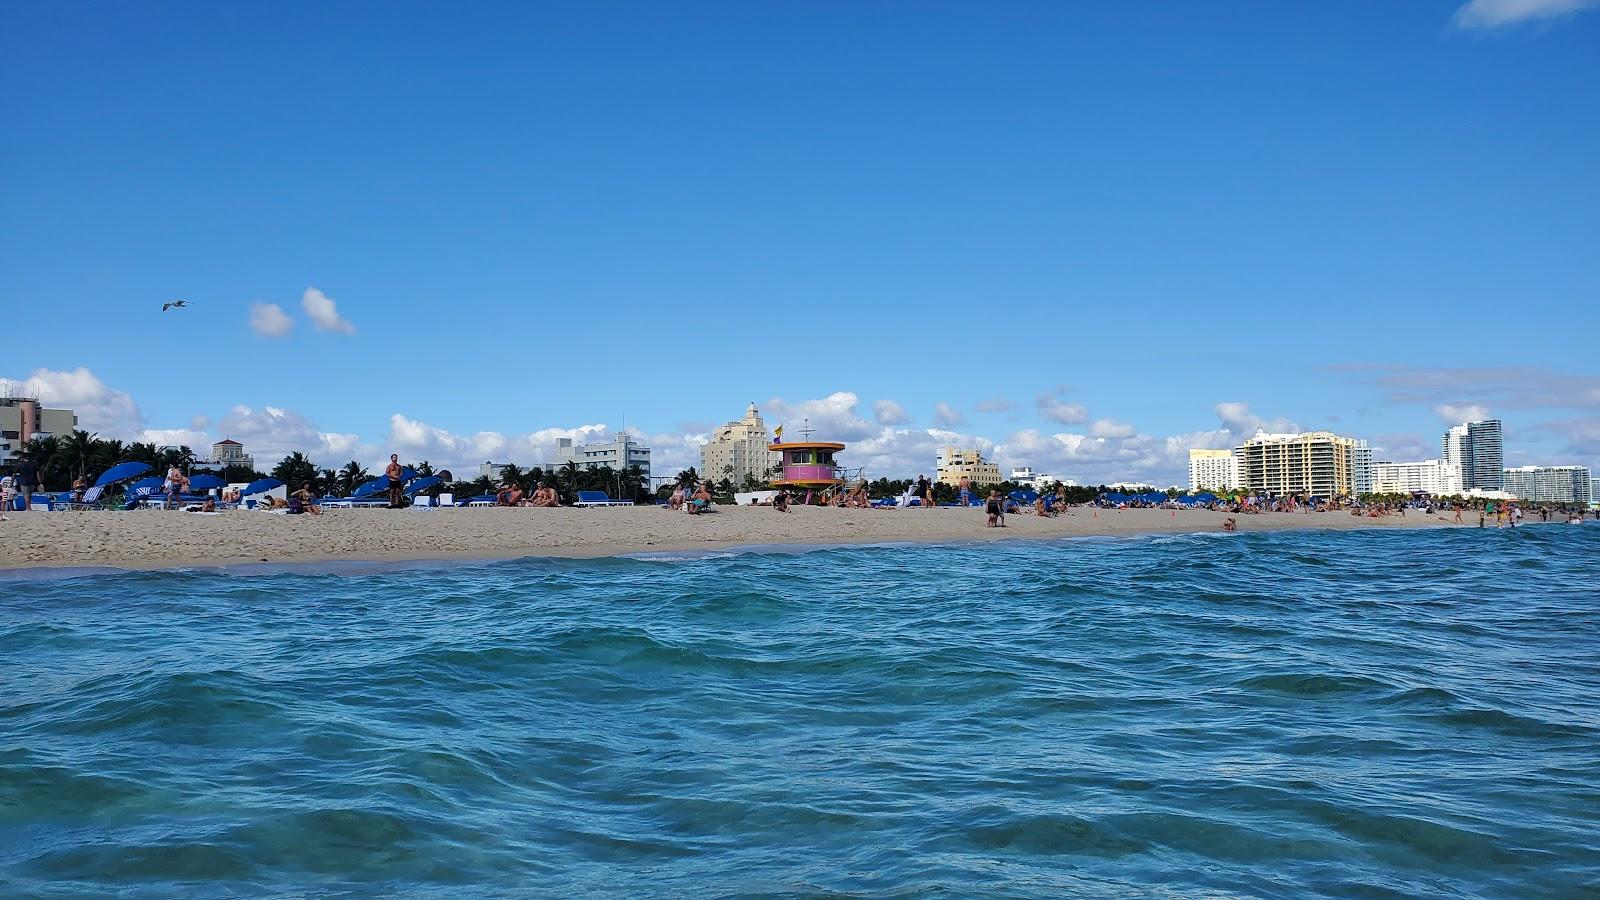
[369,488]
[421,484]
[154,482]
[205,482]
[1024,496]
[260,487]
[121,472]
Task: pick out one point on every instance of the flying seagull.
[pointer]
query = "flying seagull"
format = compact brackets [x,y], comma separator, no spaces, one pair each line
[176,304]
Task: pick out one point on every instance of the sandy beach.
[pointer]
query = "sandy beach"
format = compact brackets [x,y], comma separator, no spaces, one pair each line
[158,539]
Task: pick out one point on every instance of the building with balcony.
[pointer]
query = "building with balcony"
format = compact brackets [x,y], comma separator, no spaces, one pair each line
[1430,476]
[1213,470]
[23,418]
[1314,464]
[956,463]
[619,453]
[1549,484]
[1475,449]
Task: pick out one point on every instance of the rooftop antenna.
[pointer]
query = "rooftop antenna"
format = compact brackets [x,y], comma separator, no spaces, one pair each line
[806,429]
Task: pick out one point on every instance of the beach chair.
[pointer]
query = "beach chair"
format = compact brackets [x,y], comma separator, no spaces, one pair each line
[89,500]
[422,501]
[447,499]
[481,500]
[598,498]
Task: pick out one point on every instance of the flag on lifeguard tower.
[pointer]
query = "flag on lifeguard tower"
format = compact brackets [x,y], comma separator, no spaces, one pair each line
[777,434]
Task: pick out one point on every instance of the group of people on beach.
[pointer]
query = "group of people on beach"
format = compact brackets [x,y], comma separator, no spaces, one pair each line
[511,494]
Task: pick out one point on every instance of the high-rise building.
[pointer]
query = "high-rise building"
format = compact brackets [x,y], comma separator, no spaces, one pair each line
[23,418]
[1433,476]
[618,454]
[955,463]
[1213,470]
[1316,463]
[1475,449]
[1552,484]
[739,449]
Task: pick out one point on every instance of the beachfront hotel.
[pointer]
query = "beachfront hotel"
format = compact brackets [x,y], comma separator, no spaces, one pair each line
[955,463]
[1432,476]
[617,454]
[23,418]
[1213,470]
[740,449]
[1475,449]
[1552,484]
[1315,463]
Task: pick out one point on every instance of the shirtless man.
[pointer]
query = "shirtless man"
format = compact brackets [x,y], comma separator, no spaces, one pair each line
[396,489]
[966,491]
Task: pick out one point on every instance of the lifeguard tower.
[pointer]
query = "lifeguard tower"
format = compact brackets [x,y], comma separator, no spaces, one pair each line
[808,464]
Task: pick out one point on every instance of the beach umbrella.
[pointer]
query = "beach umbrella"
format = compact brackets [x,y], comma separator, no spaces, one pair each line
[421,484]
[121,472]
[260,487]
[206,482]
[369,488]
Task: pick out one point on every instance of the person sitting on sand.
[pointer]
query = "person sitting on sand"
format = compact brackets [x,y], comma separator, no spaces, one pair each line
[208,505]
[701,501]
[996,510]
[230,495]
[780,501]
[544,496]
[675,502]
[1230,524]
[510,494]
[301,501]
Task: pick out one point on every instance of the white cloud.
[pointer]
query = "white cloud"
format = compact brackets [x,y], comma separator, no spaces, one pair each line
[995,404]
[324,313]
[101,409]
[198,441]
[1502,13]
[1242,423]
[947,416]
[269,320]
[1105,428]
[270,432]
[833,418]
[888,412]
[1456,413]
[1055,409]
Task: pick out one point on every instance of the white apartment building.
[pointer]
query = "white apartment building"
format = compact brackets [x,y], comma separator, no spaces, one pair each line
[1027,477]
[618,454]
[224,453]
[1475,449]
[1551,484]
[1213,470]
[1315,463]
[955,463]
[1434,476]
[738,449]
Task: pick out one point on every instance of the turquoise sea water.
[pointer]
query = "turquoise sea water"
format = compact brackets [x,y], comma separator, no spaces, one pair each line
[1276,714]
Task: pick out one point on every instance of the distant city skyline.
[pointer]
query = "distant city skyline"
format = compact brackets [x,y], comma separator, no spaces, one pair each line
[1080,238]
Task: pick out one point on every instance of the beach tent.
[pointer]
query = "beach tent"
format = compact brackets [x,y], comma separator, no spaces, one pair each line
[1024,496]
[205,482]
[121,472]
[260,486]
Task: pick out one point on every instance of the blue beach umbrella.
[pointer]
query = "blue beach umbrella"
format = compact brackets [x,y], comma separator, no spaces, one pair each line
[260,487]
[206,482]
[121,472]
[369,488]
[421,484]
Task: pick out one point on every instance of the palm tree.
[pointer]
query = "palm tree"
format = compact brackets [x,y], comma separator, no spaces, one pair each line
[295,469]
[145,453]
[424,468]
[327,478]
[351,476]
[78,451]
[569,476]
[633,482]
[182,457]
[688,478]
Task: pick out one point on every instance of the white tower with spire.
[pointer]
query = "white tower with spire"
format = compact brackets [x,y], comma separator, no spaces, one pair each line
[738,449]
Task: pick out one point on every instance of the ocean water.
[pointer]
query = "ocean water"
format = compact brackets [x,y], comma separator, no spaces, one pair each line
[1282,714]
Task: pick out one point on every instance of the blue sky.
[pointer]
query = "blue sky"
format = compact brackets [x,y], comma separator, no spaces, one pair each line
[1084,235]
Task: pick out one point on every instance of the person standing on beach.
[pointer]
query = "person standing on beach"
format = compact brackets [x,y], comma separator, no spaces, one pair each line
[927,494]
[920,491]
[966,491]
[175,485]
[27,481]
[7,492]
[396,489]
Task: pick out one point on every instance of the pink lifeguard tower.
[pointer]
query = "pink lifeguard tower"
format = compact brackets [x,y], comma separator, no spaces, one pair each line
[807,464]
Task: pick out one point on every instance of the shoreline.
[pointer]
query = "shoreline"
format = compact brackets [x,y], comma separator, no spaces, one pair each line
[154,541]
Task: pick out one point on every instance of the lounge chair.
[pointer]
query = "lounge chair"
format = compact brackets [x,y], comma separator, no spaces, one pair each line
[89,500]
[598,498]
